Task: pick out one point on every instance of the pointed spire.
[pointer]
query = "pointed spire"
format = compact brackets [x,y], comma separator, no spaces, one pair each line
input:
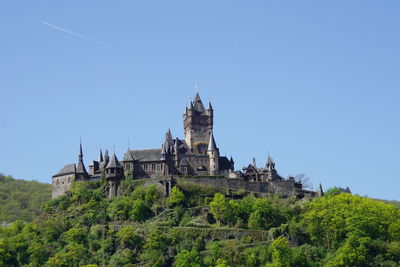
[81,166]
[211,144]
[168,138]
[254,163]
[320,192]
[231,160]
[176,143]
[101,156]
[210,106]
[198,104]
[270,165]
[80,151]
[191,107]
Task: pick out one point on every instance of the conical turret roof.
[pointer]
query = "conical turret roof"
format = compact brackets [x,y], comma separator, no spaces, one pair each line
[113,163]
[80,168]
[101,156]
[211,144]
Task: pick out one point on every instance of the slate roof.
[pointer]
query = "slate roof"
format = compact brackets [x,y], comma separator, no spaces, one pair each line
[80,168]
[101,156]
[113,163]
[128,156]
[224,163]
[197,104]
[211,145]
[146,154]
[67,169]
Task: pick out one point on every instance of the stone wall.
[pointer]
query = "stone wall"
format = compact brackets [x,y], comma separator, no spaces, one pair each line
[283,188]
[61,184]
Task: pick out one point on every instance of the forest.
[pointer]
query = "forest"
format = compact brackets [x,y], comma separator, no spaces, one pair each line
[21,199]
[202,226]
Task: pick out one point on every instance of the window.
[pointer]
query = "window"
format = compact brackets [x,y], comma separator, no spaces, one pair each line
[145,167]
[128,166]
[112,170]
[153,166]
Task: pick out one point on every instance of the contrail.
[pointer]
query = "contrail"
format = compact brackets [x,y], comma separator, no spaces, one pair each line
[73,33]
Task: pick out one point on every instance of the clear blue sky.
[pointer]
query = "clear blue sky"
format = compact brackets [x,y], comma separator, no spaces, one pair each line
[315,83]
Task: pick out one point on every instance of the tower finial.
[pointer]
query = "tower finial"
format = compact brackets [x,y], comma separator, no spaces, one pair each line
[128,144]
[196,86]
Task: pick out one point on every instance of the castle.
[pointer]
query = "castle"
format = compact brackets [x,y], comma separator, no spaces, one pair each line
[195,158]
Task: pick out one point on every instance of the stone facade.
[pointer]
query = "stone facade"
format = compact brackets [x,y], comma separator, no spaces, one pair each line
[195,155]
[61,182]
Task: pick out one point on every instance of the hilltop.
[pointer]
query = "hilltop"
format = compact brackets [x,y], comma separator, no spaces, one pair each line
[203,226]
[21,199]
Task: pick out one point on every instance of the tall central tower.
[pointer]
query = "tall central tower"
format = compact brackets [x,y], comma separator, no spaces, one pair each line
[198,123]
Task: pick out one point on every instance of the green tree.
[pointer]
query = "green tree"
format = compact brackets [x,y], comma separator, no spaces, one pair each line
[188,258]
[264,215]
[128,238]
[140,211]
[177,197]
[282,254]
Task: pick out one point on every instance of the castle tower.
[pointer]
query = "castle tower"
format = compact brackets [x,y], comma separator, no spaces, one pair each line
[213,155]
[114,174]
[198,123]
[271,171]
[81,172]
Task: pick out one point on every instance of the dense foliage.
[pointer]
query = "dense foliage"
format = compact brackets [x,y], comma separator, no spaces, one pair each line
[203,226]
[21,199]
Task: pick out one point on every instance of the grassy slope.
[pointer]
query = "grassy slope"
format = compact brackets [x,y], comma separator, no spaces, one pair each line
[21,199]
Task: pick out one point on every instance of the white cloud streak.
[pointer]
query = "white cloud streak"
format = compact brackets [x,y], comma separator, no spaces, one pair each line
[71,32]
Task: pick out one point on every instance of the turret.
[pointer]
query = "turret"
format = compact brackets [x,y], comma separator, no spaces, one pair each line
[210,110]
[232,164]
[197,123]
[80,168]
[270,167]
[254,163]
[163,154]
[101,156]
[114,174]
[106,158]
[213,155]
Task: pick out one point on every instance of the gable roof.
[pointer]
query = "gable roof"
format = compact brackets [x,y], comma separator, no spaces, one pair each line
[128,156]
[147,154]
[67,169]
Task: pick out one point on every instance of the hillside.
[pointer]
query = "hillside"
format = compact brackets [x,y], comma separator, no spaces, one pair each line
[203,226]
[21,199]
